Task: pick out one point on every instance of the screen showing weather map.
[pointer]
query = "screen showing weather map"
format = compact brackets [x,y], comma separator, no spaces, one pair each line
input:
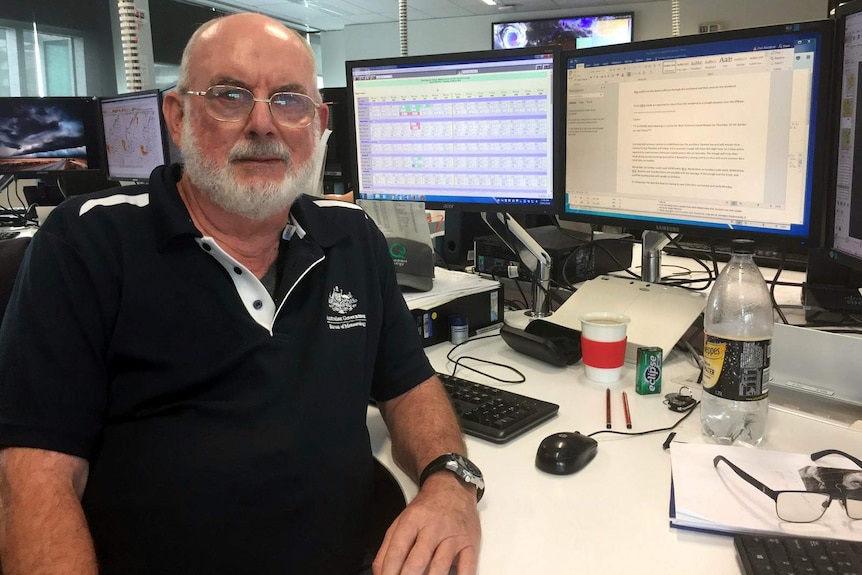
[570,33]
[134,138]
[49,135]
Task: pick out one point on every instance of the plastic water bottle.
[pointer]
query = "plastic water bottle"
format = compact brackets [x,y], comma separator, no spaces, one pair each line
[738,326]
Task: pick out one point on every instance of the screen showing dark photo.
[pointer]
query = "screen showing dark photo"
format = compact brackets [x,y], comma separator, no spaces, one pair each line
[49,135]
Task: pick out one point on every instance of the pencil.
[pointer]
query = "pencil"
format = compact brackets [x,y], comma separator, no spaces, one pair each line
[626,411]
[608,407]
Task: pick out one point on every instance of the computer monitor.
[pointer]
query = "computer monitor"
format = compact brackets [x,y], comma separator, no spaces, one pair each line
[720,135]
[337,178]
[568,33]
[845,205]
[475,131]
[134,134]
[49,136]
[831,293]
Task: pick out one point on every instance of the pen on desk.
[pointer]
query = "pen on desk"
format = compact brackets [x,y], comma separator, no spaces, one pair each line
[626,411]
[608,407]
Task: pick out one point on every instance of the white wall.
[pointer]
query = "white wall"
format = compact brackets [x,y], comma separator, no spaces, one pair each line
[652,20]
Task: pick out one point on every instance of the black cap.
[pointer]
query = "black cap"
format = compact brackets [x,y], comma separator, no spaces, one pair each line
[742,247]
[414,263]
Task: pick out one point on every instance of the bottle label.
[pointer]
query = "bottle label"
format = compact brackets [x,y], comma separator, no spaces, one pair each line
[736,370]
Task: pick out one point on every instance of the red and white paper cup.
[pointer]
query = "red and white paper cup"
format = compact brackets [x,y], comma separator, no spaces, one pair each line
[603,345]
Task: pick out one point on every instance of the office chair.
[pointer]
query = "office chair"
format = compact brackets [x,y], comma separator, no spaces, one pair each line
[11,255]
[387,503]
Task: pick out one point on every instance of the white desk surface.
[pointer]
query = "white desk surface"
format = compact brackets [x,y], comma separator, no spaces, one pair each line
[612,516]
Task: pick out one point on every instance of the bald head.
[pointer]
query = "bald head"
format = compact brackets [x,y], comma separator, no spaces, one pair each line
[220,33]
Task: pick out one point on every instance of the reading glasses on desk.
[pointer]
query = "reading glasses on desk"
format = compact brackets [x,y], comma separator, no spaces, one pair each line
[805,506]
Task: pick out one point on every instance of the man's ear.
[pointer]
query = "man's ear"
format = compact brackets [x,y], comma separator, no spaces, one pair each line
[323,114]
[172,110]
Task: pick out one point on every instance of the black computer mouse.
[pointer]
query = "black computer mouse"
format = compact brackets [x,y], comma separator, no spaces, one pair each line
[564,453]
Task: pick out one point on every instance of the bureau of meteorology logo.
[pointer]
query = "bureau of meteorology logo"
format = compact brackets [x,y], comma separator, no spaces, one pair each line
[343,303]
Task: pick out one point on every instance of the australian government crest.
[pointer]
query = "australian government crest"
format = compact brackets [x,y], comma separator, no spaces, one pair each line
[342,303]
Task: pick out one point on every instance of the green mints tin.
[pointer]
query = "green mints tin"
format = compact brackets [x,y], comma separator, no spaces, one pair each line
[648,375]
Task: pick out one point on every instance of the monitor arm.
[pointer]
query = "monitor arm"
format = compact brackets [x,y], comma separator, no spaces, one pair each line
[653,242]
[531,254]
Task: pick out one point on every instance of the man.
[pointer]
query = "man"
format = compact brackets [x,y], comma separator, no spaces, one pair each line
[185,367]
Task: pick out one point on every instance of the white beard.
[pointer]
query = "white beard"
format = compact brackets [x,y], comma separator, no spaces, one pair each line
[255,201]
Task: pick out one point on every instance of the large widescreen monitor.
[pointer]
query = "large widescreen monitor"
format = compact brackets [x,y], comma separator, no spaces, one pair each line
[568,33]
[719,135]
[134,134]
[477,131]
[845,209]
[49,136]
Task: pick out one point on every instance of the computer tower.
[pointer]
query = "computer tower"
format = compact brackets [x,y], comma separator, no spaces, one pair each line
[574,257]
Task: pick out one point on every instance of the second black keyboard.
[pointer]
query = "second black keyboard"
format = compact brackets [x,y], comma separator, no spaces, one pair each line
[493,414]
[788,555]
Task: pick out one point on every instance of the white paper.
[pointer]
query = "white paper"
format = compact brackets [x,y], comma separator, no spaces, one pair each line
[717,499]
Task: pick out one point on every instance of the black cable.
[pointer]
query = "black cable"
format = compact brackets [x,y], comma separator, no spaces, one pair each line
[635,433]
[458,363]
[775,305]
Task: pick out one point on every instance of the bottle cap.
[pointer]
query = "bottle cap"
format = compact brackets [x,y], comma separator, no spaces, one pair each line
[742,246]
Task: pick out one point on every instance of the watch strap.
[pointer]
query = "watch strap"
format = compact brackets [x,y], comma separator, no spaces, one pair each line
[441,464]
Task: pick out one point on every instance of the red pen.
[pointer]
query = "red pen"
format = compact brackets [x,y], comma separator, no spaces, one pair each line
[626,411]
[608,407]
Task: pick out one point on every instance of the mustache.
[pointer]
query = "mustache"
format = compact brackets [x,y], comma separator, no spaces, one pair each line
[255,149]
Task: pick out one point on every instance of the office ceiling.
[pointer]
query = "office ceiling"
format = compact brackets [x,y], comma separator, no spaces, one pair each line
[325,15]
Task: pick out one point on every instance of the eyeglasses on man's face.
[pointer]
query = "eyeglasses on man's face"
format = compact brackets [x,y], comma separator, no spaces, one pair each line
[804,506]
[233,104]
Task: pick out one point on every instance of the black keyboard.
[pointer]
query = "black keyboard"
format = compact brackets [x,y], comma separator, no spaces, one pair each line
[7,235]
[496,415]
[787,555]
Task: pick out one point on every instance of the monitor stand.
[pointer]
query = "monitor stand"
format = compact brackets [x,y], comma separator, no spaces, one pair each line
[534,257]
[652,243]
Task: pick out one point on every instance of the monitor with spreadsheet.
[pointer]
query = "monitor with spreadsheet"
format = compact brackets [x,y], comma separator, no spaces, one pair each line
[719,135]
[134,134]
[474,130]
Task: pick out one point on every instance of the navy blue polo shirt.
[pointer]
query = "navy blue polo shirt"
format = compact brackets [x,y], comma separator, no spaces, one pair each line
[225,433]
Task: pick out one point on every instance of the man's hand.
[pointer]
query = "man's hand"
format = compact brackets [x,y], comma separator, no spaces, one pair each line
[437,531]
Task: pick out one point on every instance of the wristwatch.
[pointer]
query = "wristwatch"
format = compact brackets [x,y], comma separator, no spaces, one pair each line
[463,468]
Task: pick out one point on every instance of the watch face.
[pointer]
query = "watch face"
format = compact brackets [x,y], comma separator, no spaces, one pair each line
[468,465]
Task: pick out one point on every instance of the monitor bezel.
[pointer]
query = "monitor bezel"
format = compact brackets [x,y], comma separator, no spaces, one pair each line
[822,139]
[92,135]
[629,15]
[162,131]
[558,141]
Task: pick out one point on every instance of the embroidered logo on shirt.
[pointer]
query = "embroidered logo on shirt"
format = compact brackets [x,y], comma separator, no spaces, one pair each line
[343,303]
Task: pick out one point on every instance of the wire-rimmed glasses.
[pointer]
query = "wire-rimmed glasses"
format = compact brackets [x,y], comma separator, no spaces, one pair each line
[804,506]
[233,104]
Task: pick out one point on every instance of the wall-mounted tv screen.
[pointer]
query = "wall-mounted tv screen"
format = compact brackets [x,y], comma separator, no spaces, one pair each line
[49,135]
[570,33]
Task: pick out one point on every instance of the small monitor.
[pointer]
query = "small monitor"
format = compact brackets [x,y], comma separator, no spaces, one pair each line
[49,136]
[134,134]
[719,135]
[477,131]
[568,33]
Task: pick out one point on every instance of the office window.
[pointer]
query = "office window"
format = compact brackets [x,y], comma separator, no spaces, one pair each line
[38,61]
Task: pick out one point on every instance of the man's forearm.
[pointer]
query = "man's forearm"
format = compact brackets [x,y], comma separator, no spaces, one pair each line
[422,425]
[42,525]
